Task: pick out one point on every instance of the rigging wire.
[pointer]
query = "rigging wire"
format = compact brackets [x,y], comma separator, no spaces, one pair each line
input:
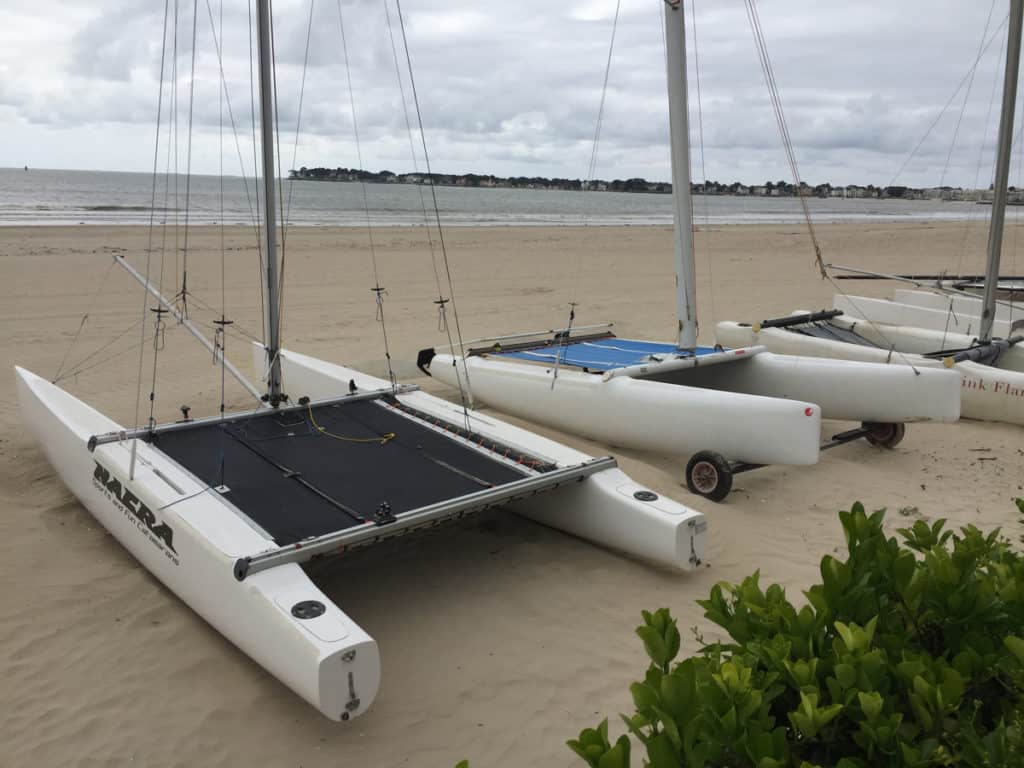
[563,337]
[172,141]
[220,335]
[255,170]
[298,118]
[968,77]
[377,290]
[223,255]
[780,119]
[942,112]
[1016,228]
[967,95]
[207,306]
[77,368]
[776,101]
[703,165]
[465,393]
[183,293]
[978,166]
[225,94]
[592,164]
[85,317]
[441,300]
[282,225]
[74,373]
[177,135]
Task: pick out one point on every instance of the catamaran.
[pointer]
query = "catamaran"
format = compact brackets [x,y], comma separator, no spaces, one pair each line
[729,410]
[978,337]
[224,510]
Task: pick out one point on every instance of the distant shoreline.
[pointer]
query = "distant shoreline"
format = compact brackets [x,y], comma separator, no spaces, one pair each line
[782,226]
[72,198]
[641,185]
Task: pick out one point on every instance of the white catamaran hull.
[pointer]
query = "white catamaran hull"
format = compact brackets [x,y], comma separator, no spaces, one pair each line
[914,338]
[646,415]
[986,393]
[191,539]
[602,508]
[962,305]
[924,317]
[192,545]
[844,390]
[924,341]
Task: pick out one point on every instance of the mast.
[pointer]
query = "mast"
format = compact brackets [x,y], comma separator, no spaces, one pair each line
[1002,180]
[679,128]
[272,328]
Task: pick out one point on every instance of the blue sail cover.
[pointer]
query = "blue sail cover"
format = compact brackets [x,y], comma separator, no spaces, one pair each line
[603,354]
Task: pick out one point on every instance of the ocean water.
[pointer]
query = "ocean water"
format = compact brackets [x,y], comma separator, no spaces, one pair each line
[57,197]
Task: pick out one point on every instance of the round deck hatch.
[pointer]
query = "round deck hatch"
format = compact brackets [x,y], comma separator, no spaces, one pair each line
[308,609]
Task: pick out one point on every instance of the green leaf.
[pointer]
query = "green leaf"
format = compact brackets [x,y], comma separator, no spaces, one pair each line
[644,697]
[678,693]
[617,756]
[1014,644]
[654,645]
[661,753]
[672,640]
[908,653]
[871,704]
[826,715]
[846,674]
[846,634]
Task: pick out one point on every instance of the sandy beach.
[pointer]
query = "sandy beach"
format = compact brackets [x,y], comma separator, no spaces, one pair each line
[500,638]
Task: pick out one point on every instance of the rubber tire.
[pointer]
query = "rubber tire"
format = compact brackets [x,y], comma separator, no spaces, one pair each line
[709,461]
[885,434]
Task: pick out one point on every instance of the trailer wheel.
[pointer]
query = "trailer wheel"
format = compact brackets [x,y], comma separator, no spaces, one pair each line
[709,474]
[884,434]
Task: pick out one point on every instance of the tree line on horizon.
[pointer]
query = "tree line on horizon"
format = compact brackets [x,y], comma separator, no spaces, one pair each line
[779,188]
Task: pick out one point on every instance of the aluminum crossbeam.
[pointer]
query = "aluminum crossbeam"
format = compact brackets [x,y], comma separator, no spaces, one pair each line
[335,543]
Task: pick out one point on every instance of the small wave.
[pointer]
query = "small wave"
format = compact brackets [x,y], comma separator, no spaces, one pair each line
[117,208]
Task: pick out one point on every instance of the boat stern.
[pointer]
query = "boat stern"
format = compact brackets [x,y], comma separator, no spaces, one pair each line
[612,510]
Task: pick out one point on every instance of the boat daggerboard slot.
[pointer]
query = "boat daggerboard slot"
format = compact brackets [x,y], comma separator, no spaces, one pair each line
[431,514]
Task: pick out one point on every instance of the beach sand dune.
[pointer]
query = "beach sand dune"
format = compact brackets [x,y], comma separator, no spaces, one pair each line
[500,638]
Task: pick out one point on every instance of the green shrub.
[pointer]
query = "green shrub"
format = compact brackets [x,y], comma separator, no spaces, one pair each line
[906,654]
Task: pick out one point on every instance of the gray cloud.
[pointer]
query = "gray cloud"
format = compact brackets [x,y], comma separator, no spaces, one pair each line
[515,89]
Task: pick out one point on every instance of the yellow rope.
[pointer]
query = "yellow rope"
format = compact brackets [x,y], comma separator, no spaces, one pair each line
[383,439]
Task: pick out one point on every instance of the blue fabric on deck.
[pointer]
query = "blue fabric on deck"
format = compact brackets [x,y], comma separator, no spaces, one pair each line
[602,354]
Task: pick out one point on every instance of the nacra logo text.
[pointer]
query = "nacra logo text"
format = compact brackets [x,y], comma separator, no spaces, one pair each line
[160,533]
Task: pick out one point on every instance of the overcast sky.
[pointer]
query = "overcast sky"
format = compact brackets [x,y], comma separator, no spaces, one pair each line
[513,88]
